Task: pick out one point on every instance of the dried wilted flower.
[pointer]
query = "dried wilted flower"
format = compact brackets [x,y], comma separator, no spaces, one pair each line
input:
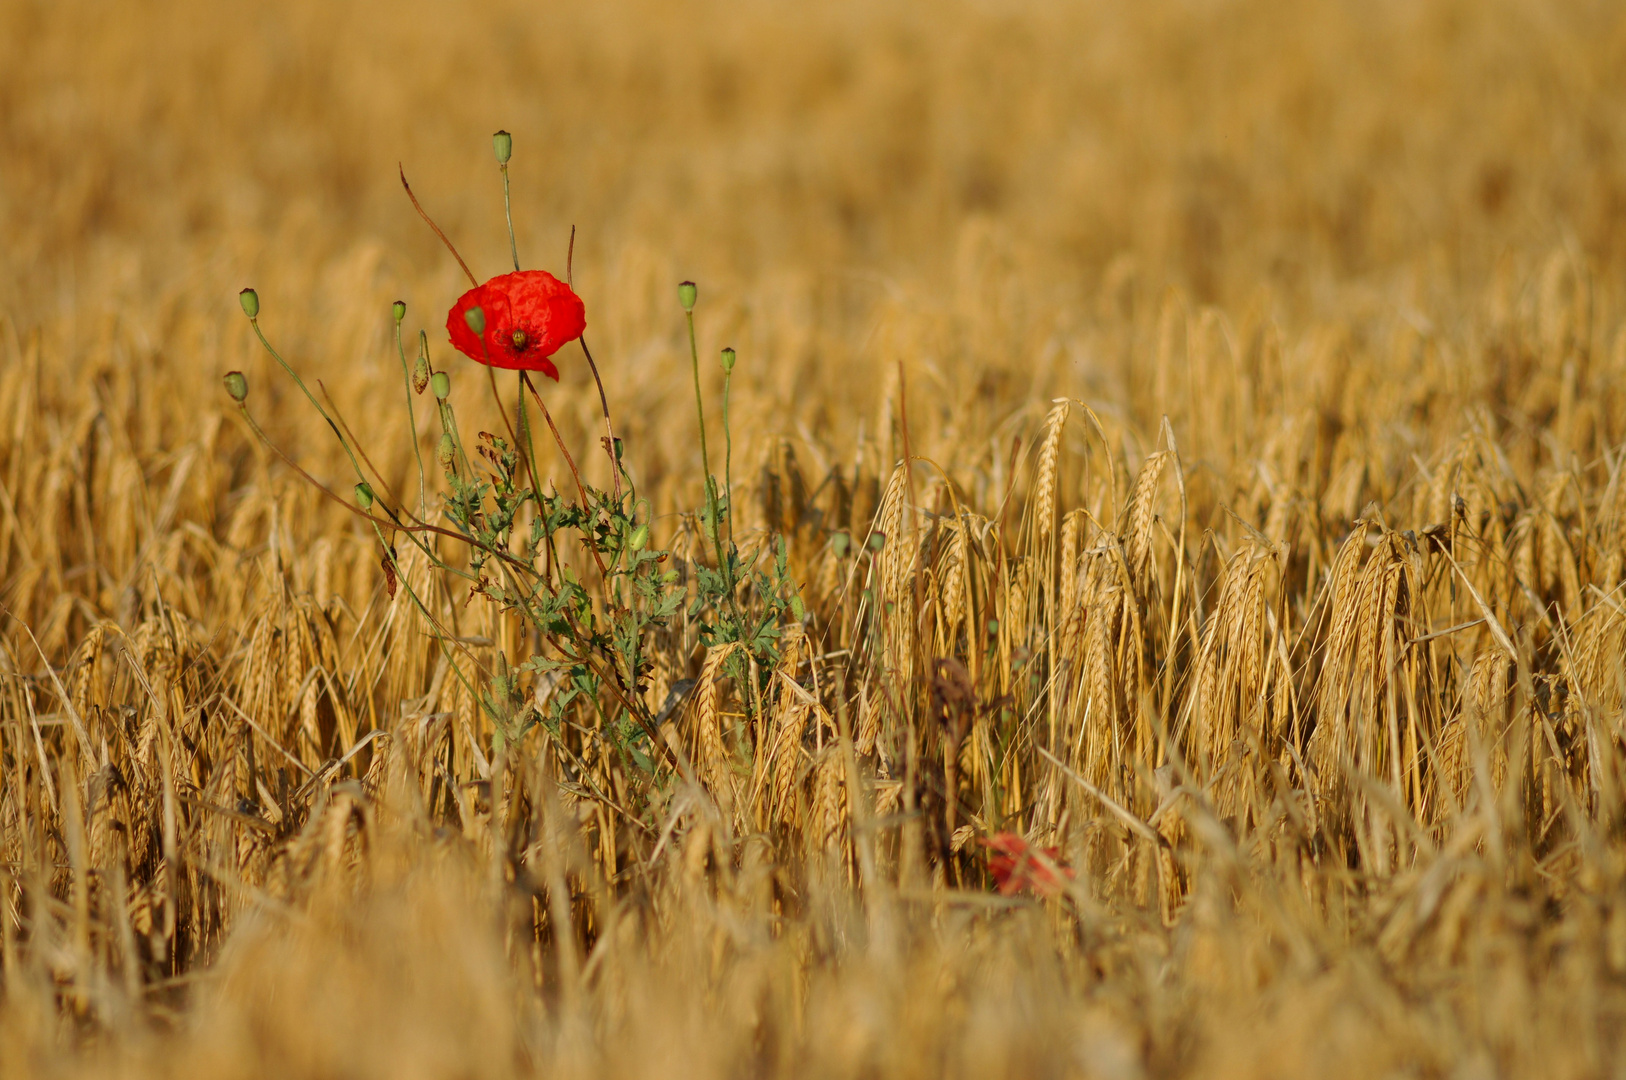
[1017,866]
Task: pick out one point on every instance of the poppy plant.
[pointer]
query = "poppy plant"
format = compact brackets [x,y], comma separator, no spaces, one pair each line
[1017,866]
[529,315]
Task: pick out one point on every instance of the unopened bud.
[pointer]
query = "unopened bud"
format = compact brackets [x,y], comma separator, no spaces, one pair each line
[448,451]
[251,303]
[364,495]
[728,359]
[503,143]
[442,383]
[686,295]
[236,386]
[399,308]
[420,370]
[639,537]
[476,318]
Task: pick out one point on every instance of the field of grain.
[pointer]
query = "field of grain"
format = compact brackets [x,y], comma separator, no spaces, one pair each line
[1183,445]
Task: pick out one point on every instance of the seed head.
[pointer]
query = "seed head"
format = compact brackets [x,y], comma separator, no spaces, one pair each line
[728,359]
[686,295]
[399,308]
[503,143]
[236,386]
[251,303]
[442,384]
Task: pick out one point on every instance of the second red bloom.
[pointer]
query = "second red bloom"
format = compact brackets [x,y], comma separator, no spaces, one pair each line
[529,314]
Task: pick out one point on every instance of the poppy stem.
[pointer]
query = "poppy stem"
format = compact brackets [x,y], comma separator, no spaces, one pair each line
[412,419]
[491,376]
[604,403]
[527,448]
[508,211]
[728,456]
[699,404]
[431,223]
[255,323]
[705,461]
[570,461]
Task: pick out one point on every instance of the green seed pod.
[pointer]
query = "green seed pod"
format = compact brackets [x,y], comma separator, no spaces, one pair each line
[448,451]
[442,383]
[364,495]
[503,143]
[236,386]
[686,295]
[476,318]
[640,537]
[728,359]
[669,577]
[251,303]
[399,308]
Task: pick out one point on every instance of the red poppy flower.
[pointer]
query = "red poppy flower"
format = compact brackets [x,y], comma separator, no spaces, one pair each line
[529,315]
[1017,865]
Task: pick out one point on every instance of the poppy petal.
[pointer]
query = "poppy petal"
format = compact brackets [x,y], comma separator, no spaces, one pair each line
[529,315]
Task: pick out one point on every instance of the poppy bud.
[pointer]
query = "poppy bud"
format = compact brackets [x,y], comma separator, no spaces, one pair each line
[448,451]
[251,303]
[728,359]
[399,308]
[640,537]
[420,371]
[364,495]
[236,386]
[442,383]
[503,143]
[476,318]
[686,295]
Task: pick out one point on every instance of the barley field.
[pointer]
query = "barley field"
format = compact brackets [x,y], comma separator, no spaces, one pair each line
[1168,617]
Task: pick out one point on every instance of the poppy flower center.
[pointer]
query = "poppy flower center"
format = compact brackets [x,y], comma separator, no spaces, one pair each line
[519,340]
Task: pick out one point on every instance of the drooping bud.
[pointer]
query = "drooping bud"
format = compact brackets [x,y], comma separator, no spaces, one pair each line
[442,384]
[251,303]
[686,295]
[476,318]
[639,537]
[364,495]
[420,370]
[728,359]
[399,309]
[236,386]
[503,143]
[448,451]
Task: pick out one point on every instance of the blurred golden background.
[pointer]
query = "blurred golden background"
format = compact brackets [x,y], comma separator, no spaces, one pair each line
[838,179]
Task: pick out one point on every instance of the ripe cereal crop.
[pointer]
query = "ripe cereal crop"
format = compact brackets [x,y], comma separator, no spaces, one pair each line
[860,539]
